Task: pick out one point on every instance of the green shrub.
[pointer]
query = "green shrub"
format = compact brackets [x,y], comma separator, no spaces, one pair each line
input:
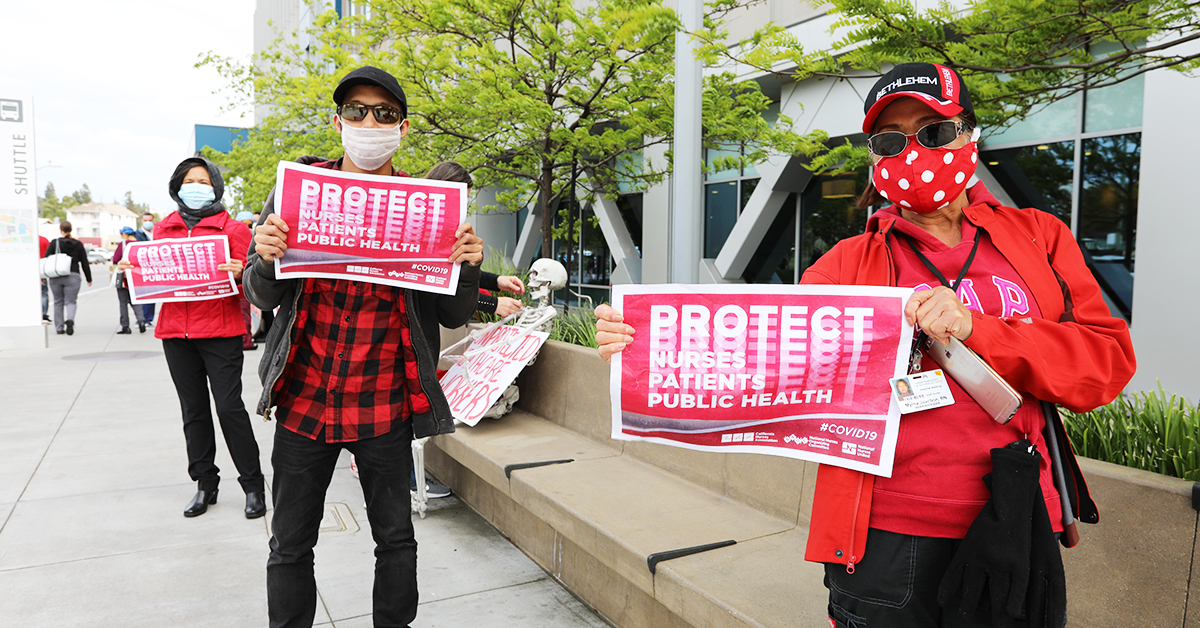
[576,326]
[1144,430]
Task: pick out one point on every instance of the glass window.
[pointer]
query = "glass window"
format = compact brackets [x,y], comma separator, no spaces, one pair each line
[1115,107]
[1107,228]
[1038,176]
[775,259]
[630,206]
[1059,119]
[828,215]
[720,214]
[595,259]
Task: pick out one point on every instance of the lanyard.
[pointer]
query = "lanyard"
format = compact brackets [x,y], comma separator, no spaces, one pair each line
[937,273]
[914,364]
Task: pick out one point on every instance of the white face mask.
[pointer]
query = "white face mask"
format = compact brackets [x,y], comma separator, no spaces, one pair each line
[370,148]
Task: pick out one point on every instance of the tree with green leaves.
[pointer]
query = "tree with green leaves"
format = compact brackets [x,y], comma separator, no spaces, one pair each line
[537,98]
[137,208]
[52,207]
[1016,56]
[82,196]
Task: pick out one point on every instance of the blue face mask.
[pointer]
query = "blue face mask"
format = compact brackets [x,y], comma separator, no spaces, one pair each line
[196,195]
[148,226]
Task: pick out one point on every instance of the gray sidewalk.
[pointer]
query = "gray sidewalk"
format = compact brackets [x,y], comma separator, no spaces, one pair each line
[93,482]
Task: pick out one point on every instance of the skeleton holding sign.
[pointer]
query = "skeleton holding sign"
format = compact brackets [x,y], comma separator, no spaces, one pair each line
[481,377]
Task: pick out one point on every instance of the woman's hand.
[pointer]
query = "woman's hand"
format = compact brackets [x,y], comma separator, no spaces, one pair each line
[612,334]
[124,265]
[270,238]
[939,313]
[234,266]
[511,284]
[469,247]
[506,306]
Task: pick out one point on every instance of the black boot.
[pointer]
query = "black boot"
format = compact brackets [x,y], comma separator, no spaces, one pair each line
[125,330]
[70,328]
[256,505]
[199,503]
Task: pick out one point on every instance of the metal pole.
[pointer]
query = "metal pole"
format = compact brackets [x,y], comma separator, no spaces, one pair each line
[687,217]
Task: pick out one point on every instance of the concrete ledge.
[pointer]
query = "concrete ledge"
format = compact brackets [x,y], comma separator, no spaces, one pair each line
[592,522]
[612,511]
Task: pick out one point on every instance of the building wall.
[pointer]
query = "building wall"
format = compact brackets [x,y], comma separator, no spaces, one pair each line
[1166,295]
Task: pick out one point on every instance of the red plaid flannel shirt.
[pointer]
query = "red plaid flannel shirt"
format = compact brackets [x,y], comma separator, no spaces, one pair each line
[352,368]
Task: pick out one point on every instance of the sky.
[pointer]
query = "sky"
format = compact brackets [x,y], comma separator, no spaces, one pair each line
[115,90]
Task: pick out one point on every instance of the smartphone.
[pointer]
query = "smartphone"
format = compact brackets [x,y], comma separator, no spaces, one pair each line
[989,390]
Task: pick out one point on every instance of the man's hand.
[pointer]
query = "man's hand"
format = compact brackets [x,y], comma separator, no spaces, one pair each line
[234,266]
[468,248]
[506,306]
[270,238]
[511,284]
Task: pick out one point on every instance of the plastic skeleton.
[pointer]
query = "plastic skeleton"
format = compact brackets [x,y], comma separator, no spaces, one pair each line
[545,276]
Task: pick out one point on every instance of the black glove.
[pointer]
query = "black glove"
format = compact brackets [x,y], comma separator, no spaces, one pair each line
[995,554]
[1047,602]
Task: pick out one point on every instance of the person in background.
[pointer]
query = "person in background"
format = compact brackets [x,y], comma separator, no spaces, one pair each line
[349,366]
[66,289]
[128,234]
[145,234]
[488,303]
[971,504]
[202,343]
[43,243]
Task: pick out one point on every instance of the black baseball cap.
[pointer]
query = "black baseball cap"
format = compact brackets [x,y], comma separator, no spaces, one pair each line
[935,85]
[369,75]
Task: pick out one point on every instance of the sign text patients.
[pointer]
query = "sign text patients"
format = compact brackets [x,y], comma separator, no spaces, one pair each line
[333,216]
[694,338]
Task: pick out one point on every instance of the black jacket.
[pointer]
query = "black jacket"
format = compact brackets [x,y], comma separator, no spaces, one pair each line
[425,311]
[74,248]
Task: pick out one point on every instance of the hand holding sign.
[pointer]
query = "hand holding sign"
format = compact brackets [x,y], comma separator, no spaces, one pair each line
[270,238]
[612,334]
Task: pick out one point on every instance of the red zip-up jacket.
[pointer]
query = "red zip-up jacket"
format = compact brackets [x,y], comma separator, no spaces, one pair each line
[215,318]
[1081,363]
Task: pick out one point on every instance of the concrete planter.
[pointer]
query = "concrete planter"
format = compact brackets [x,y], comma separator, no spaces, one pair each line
[1133,568]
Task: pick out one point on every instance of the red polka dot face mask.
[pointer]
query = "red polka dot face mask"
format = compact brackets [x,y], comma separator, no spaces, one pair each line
[925,180]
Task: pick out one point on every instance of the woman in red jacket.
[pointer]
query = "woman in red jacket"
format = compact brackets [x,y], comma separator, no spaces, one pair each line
[202,341]
[933,545]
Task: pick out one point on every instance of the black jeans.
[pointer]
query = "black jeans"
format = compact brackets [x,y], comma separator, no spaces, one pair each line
[196,364]
[303,468]
[896,586]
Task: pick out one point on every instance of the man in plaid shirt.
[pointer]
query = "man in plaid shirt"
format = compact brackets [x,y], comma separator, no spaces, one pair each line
[351,365]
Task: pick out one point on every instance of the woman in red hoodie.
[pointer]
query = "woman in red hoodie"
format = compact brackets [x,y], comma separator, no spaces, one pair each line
[202,341]
[936,544]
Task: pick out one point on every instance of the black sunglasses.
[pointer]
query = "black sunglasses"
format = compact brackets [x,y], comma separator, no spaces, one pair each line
[354,112]
[934,135]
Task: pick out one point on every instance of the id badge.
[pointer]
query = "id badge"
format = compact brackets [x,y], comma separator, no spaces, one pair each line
[922,391]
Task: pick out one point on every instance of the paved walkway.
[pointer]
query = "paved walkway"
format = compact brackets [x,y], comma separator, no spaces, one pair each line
[93,482]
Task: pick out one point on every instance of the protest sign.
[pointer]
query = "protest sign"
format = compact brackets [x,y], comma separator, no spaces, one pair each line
[797,371]
[391,230]
[179,269]
[490,372]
